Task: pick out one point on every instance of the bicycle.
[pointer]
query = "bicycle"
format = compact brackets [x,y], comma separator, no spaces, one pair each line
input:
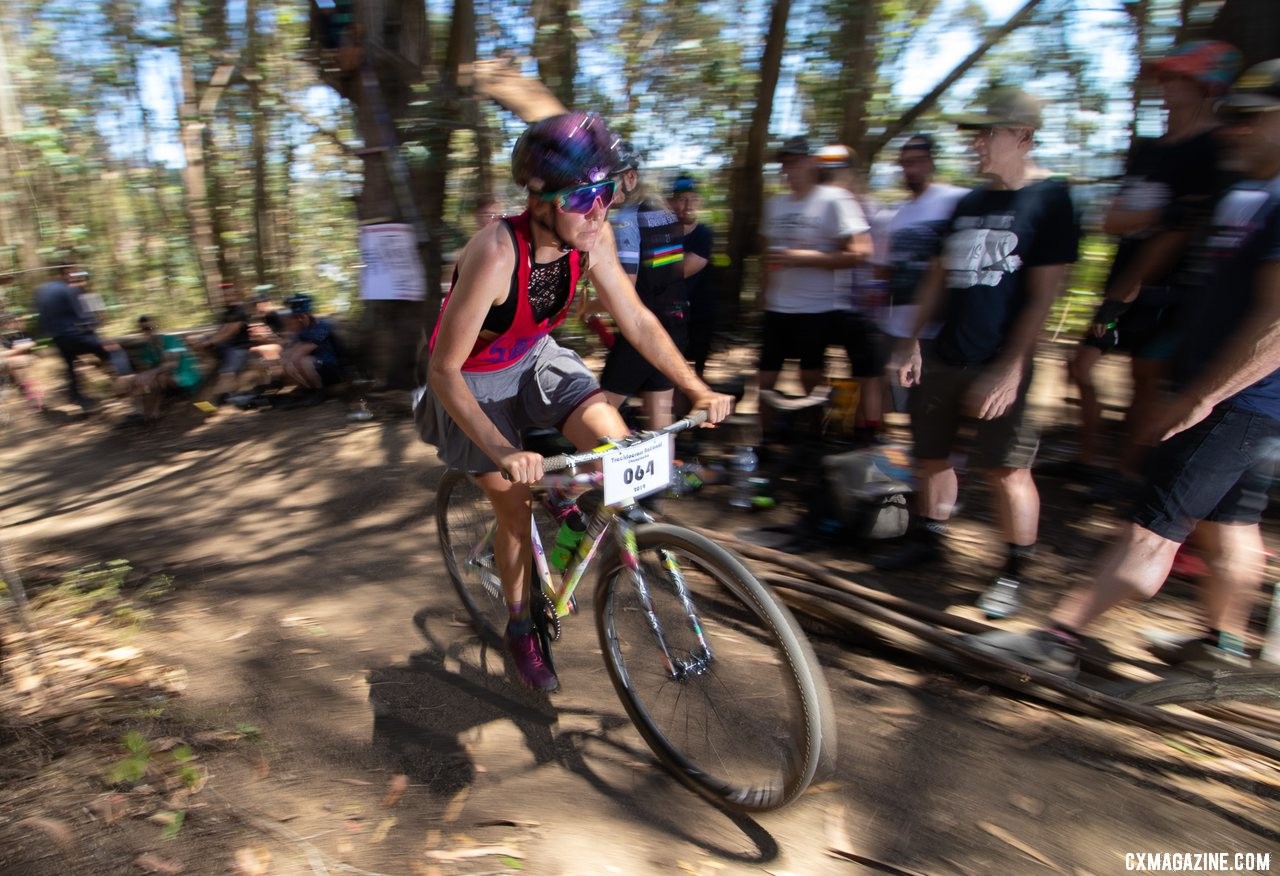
[712,669]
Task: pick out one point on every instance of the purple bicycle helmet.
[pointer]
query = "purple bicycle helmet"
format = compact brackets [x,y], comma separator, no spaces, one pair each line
[560,152]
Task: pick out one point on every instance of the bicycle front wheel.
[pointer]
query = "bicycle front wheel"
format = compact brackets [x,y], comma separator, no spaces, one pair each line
[722,685]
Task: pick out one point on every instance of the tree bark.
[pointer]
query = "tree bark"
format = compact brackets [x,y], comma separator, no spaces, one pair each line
[555,46]
[747,191]
[857,75]
[14,232]
[194,177]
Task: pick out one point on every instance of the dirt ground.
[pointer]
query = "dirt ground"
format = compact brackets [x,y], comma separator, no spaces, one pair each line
[311,662]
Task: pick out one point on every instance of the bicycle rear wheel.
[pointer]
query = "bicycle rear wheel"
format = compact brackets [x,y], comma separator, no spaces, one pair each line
[464,523]
[746,719]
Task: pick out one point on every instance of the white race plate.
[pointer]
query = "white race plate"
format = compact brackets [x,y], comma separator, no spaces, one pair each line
[638,470]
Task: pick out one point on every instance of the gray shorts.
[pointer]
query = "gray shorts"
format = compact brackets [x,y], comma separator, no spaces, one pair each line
[542,389]
[233,360]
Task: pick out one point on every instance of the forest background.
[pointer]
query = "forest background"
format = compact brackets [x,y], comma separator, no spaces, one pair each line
[179,148]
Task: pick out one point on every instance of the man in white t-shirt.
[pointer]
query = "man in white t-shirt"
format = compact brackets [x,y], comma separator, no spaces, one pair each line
[814,235]
[915,235]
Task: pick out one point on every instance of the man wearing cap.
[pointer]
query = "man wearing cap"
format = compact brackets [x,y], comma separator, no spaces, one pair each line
[1167,182]
[1221,429]
[1004,259]
[813,235]
[701,294]
[66,319]
[648,238]
[914,234]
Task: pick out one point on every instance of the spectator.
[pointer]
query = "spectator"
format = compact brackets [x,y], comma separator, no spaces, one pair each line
[648,238]
[914,232]
[813,234]
[16,350]
[312,360]
[1221,429]
[230,344]
[698,286]
[1004,259]
[166,365]
[1164,177]
[863,341]
[64,318]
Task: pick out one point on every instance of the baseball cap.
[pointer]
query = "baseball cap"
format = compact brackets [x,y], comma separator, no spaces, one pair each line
[1006,108]
[683,183]
[835,156]
[793,146]
[920,141]
[1258,88]
[1212,63]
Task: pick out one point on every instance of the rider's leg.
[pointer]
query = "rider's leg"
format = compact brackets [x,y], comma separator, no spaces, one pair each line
[1237,565]
[512,544]
[592,420]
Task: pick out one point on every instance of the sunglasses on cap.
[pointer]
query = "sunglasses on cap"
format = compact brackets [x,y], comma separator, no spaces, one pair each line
[582,200]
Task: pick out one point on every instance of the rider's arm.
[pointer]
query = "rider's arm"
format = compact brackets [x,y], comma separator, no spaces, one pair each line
[638,324]
[484,277]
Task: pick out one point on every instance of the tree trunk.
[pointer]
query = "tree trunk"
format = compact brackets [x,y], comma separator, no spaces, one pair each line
[194,178]
[262,228]
[1018,19]
[747,189]
[15,233]
[555,46]
[857,74]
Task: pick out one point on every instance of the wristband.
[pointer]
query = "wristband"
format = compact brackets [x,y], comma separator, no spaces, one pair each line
[1109,312]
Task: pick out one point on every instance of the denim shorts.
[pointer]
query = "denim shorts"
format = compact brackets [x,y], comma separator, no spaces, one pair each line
[1218,470]
[542,388]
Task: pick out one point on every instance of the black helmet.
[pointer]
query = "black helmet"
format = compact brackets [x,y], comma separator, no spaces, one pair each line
[300,303]
[628,157]
[563,151]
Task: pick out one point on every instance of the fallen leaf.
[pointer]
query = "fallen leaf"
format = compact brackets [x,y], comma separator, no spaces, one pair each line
[108,807]
[305,651]
[58,831]
[507,822]
[395,790]
[454,809]
[353,781]
[261,769]
[234,636]
[1004,836]
[156,864]
[1029,805]
[384,827]
[252,862]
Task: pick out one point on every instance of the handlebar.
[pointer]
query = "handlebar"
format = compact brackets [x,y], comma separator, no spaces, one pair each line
[569,460]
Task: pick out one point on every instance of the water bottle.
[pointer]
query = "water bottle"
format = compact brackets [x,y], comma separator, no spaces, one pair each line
[745,463]
[568,537]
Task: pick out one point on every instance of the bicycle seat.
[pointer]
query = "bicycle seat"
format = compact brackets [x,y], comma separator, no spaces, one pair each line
[547,442]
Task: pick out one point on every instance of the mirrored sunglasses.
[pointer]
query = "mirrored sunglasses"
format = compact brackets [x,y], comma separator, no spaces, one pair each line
[582,200]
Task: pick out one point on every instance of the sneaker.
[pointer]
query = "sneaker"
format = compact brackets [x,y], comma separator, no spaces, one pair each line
[1041,649]
[1181,652]
[1001,599]
[532,669]
[911,553]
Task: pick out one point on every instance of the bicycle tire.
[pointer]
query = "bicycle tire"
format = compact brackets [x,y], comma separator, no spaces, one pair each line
[463,517]
[750,728]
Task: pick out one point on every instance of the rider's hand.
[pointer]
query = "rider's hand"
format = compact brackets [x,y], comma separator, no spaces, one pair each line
[521,466]
[716,404]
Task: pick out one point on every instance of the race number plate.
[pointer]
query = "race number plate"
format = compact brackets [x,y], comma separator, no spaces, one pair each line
[638,470]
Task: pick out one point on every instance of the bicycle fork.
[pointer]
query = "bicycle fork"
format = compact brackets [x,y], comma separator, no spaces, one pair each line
[701,657]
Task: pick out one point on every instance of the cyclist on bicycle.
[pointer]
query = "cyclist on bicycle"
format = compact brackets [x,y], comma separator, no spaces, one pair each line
[494,368]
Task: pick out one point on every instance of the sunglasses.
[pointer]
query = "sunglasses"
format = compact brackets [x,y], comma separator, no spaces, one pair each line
[582,200]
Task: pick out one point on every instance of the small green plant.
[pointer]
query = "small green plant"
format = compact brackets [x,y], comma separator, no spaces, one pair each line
[133,767]
[183,756]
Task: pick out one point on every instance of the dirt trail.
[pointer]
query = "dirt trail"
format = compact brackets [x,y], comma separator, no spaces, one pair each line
[320,638]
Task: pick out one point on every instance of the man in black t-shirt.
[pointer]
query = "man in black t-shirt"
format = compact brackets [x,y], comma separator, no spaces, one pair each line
[698,287]
[1166,180]
[1004,259]
[230,345]
[1220,431]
